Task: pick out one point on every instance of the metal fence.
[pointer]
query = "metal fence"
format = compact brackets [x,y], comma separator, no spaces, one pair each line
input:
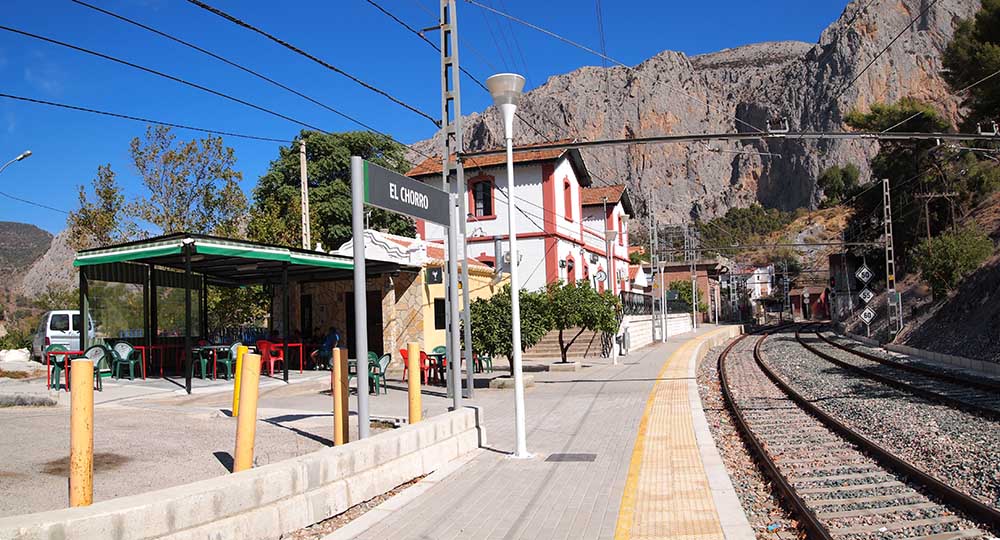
[634,303]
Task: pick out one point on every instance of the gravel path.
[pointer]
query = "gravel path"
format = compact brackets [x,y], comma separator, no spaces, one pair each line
[956,446]
[760,503]
[851,494]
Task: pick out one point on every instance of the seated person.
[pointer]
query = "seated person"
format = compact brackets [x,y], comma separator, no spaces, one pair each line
[324,353]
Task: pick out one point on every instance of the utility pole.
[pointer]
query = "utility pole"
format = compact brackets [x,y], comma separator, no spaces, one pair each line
[451,139]
[894,300]
[304,179]
[692,256]
[609,237]
[652,256]
[927,197]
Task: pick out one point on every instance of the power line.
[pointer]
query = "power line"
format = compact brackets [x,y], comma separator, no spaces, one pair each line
[873,60]
[323,63]
[144,120]
[790,135]
[980,81]
[33,203]
[600,55]
[159,74]
[229,62]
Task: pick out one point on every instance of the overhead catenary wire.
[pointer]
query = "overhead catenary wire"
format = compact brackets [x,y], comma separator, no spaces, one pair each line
[228,62]
[603,56]
[886,48]
[160,74]
[145,120]
[325,64]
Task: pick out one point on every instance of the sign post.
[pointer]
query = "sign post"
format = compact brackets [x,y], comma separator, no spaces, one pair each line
[378,186]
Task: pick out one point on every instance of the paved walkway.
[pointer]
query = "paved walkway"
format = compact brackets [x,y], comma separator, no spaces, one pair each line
[594,416]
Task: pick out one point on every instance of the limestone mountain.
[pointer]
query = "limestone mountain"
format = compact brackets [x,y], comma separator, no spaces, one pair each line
[740,89]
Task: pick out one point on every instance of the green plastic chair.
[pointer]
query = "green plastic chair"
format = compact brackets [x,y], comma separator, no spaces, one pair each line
[104,357]
[442,366]
[227,358]
[125,355]
[484,363]
[58,362]
[376,373]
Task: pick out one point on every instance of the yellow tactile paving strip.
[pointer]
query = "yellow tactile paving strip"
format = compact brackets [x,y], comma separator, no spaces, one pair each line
[667,493]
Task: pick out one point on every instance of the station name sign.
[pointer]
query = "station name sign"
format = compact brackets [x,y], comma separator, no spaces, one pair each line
[393,191]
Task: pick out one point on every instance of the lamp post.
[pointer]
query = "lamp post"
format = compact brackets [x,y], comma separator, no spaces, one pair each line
[506,90]
[22,155]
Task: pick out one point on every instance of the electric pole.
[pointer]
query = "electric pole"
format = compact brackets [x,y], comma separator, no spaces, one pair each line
[304,186]
[652,256]
[894,300]
[451,125]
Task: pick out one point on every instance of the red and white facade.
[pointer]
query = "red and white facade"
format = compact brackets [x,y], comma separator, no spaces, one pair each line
[560,217]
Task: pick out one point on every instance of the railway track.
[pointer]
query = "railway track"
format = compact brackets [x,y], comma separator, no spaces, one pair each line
[942,373]
[978,397]
[840,484]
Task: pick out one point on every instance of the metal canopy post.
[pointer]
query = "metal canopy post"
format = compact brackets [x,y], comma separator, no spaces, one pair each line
[154,323]
[84,311]
[284,320]
[187,318]
[203,309]
[360,288]
[145,310]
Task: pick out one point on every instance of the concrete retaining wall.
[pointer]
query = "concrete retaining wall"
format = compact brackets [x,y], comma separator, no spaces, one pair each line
[990,368]
[268,501]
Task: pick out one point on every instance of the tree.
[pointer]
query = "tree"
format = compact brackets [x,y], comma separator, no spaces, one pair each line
[276,216]
[491,322]
[972,55]
[945,260]
[56,297]
[742,225]
[683,290]
[580,307]
[189,186]
[103,219]
[838,183]
[192,186]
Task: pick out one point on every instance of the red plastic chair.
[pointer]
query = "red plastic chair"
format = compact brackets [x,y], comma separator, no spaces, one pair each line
[269,354]
[425,368]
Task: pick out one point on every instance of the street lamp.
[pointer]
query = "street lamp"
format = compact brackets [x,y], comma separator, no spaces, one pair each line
[506,90]
[23,155]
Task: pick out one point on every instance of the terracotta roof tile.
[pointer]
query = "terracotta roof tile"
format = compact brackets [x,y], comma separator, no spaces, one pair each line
[595,195]
[433,165]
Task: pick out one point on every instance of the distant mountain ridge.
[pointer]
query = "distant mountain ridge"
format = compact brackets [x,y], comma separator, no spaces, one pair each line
[673,93]
[20,245]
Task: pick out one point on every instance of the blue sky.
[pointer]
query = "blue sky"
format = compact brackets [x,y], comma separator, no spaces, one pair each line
[350,34]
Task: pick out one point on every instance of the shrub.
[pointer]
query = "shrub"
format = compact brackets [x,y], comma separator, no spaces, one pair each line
[945,260]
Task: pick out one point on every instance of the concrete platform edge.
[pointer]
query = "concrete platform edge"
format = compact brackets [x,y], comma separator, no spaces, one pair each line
[733,520]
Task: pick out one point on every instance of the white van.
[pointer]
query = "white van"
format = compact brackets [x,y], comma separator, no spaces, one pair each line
[60,327]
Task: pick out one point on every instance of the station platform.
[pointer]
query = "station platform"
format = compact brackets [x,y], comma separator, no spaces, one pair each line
[620,452]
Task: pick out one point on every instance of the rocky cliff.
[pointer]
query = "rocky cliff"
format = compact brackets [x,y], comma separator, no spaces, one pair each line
[739,90]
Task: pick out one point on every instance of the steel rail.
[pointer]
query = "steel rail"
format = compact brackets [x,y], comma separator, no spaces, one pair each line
[947,377]
[949,495]
[807,518]
[987,412]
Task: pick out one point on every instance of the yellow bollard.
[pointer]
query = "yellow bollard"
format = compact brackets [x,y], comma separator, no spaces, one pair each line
[246,424]
[81,433]
[413,368]
[340,391]
[240,351]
